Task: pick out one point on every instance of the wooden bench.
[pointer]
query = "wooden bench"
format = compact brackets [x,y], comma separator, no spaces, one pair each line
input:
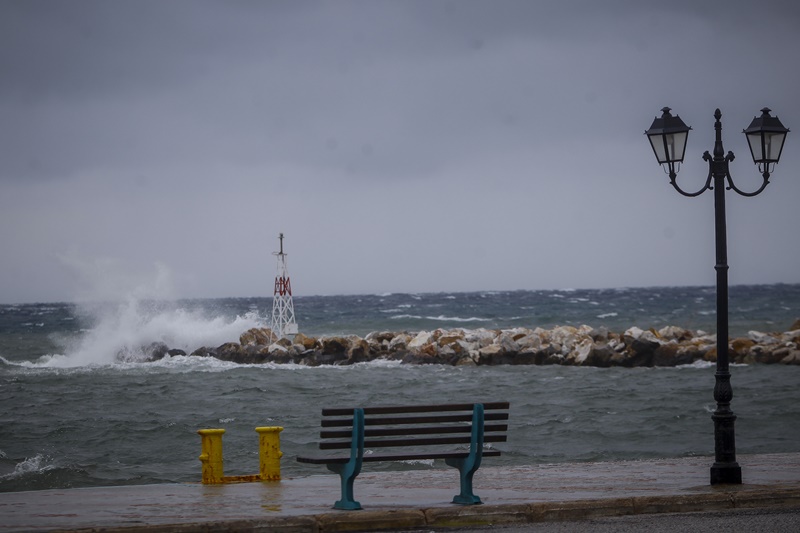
[453,432]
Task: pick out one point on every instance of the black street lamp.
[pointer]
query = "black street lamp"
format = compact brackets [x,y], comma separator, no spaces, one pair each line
[766,136]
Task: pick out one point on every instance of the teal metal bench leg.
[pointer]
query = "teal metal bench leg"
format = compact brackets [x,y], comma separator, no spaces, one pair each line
[470,464]
[349,470]
[347,477]
[466,497]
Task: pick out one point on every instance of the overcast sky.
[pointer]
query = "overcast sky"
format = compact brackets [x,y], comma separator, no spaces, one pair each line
[410,146]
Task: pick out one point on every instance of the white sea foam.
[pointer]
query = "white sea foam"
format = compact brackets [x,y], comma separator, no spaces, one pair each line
[457,319]
[697,364]
[31,465]
[180,364]
[441,318]
[607,315]
[379,363]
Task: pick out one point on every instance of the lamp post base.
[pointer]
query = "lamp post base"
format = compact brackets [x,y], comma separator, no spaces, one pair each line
[726,473]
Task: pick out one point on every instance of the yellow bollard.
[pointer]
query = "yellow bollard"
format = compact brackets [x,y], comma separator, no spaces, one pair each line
[211,455]
[269,453]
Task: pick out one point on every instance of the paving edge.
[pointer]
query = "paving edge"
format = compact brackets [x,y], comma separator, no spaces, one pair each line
[486,515]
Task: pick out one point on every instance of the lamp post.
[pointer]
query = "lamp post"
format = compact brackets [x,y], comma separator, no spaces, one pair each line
[766,136]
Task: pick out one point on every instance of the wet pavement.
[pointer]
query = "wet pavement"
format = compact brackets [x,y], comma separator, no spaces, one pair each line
[412,498]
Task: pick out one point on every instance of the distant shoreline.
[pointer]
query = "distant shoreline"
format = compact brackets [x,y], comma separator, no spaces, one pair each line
[189,299]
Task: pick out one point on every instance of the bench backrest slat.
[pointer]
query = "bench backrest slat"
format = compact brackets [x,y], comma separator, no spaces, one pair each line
[392,443]
[394,409]
[386,421]
[393,432]
[415,425]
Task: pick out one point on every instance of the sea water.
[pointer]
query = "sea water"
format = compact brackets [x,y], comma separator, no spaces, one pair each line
[78,408]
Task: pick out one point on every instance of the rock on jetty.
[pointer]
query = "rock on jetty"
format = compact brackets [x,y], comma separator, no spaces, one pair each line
[562,345]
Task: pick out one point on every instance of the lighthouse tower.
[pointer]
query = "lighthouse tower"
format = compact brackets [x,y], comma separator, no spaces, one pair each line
[283,323]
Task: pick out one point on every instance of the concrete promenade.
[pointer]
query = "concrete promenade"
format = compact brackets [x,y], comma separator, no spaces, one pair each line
[411,499]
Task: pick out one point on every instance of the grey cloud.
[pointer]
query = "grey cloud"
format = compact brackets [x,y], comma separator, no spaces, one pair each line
[377,133]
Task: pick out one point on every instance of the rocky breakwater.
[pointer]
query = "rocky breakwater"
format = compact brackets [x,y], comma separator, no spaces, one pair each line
[562,345]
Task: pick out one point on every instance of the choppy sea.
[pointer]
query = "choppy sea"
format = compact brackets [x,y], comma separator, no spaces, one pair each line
[79,409]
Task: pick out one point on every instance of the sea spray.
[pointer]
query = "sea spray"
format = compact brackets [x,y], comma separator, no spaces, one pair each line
[124,331]
[123,311]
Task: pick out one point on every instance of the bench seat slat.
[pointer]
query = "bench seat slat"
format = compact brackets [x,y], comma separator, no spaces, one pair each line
[369,458]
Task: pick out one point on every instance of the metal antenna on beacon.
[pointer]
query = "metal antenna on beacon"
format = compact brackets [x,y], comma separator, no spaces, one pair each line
[283,322]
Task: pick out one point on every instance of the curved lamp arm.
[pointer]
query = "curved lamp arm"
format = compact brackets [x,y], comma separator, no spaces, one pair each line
[732,186]
[673,177]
